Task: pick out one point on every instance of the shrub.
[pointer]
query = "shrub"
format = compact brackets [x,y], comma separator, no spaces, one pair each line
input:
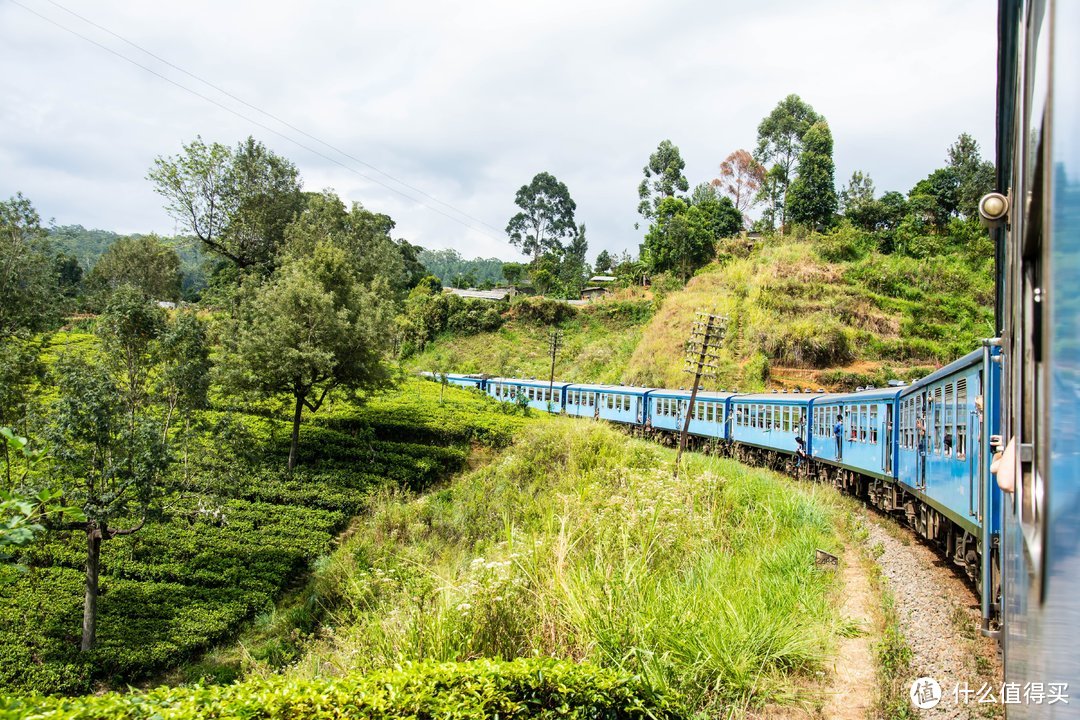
[543,311]
[845,244]
[817,341]
[533,688]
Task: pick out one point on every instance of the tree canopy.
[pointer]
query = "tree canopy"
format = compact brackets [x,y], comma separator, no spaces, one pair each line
[680,240]
[237,202]
[663,178]
[780,138]
[812,196]
[741,178]
[320,323]
[144,262]
[546,217]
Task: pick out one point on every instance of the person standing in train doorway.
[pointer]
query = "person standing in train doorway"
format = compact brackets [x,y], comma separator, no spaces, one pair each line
[838,433]
[920,431]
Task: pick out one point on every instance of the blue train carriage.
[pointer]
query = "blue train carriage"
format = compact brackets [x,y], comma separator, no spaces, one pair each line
[617,403]
[866,443]
[1038,163]
[666,410]
[770,421]
[541,394]
[477,382]
[944,455]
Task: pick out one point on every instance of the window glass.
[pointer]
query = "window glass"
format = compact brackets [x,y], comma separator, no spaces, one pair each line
[962,415]
[950,420]
[937,420]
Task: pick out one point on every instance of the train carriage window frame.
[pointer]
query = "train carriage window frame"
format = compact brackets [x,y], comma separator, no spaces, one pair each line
[950,420]
[937,406]
[1032,233]
[963,413]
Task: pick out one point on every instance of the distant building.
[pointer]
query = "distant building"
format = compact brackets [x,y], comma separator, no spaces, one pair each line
[593,293]
[493,295]
[601,279]
[166,305]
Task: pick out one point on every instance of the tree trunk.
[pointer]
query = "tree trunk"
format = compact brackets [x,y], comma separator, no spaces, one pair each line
[93,557]
[295,431]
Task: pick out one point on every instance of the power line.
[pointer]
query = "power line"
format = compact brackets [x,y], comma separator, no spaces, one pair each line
[260,124]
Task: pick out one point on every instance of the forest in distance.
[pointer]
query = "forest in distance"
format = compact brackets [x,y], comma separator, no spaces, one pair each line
[192,427]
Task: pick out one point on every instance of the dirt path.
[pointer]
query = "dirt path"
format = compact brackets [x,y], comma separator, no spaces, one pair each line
[852,691]
[938,616]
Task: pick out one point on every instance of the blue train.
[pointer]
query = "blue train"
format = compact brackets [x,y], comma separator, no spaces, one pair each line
[921,451]
[981,457]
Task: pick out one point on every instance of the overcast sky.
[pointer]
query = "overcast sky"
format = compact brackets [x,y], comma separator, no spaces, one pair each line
[467,101]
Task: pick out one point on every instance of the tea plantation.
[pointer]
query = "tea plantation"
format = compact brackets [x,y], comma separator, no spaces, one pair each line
[243,532]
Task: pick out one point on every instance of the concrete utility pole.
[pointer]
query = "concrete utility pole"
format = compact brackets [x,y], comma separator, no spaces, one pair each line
[702,352]
[555,339]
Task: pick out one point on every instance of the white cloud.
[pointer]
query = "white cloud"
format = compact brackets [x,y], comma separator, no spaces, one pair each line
[468,101]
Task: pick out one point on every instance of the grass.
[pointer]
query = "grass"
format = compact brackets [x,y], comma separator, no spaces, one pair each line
[577,543]
[596,344]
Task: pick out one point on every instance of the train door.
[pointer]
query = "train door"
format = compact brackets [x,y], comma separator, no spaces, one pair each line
[922,418]
[886,439]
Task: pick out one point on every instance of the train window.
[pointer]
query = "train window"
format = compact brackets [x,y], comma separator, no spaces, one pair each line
[873,424]
[949,411]
[961,419]
[936,412]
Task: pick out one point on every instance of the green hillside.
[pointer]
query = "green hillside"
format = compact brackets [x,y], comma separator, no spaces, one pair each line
[824,311]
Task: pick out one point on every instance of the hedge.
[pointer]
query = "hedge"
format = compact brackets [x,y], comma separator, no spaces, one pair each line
[523,688]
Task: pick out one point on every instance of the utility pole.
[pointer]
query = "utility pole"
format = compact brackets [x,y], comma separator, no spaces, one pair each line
[555,339]
[702,352]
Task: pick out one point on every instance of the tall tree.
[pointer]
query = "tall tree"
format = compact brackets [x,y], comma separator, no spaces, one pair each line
[812,196]
[144,262]
[741,178]
[858,191]
[29,302]
[603,262]
[680,240]
[574,270]
[974,176]
[721,216]
[237,202]
[857,202]
[109,463]
[315,327]
[780,138]
[110,452]
[547,216]
[364,236]
[663,178]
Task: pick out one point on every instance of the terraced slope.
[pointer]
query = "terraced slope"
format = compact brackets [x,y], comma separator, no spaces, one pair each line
[818,312]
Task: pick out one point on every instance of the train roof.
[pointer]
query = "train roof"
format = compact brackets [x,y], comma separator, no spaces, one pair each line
[860,396]
[972,358]
[531,382]
[777,398]
[621,389]
[702,394]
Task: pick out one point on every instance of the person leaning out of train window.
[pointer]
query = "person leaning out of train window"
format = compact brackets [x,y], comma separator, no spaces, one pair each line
[838,433]
[920,429]
[948,444]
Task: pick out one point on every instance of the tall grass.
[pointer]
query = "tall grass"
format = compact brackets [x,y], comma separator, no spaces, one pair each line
[578,543]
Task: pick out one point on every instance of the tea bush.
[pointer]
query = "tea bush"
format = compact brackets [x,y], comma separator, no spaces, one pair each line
[534,688]
[246,531]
